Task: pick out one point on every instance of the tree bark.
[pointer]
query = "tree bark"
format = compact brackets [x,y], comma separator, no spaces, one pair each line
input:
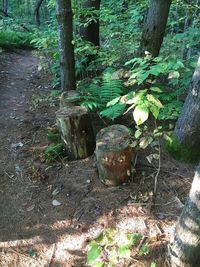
[114,154]
[184,251]
[154,27]
[90,32]
[37,12]
[67,61]
[187,129]
[5,8]
[76,131]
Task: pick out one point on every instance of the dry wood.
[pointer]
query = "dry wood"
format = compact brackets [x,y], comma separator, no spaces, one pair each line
[76,131]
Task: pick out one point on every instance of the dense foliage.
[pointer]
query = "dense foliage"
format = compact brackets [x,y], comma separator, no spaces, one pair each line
[116,80]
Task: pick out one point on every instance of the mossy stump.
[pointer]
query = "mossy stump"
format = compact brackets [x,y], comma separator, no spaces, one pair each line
[114,155]
[76,131]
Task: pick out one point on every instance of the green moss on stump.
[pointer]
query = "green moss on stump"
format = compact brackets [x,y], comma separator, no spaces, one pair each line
[181,152]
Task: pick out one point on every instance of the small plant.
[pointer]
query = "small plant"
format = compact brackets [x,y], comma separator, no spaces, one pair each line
[54,152]
[110,247]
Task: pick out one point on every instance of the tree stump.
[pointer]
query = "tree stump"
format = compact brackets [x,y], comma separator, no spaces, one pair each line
[76,131]
[114,154]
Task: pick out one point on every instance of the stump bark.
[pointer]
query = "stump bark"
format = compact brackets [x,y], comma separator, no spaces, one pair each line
[76,131]
[114,154]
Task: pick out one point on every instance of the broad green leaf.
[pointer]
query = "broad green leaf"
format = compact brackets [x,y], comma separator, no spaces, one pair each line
[154,100]
[135,100]
[140,114]
[153,264]
[124,251]
[93,253]
[156,89]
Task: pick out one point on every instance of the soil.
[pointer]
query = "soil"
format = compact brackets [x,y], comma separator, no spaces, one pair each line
[34,232]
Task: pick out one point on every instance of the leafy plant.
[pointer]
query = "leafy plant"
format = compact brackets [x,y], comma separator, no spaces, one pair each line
[54,152]
[111,246]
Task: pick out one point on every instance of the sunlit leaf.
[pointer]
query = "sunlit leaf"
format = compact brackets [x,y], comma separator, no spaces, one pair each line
[154,100]
[124,251]
[93,253]
[140,114]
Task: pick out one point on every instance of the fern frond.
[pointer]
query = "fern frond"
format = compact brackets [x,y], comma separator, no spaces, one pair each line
[114,111]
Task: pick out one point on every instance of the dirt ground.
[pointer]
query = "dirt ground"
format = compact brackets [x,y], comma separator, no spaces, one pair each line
[35,233]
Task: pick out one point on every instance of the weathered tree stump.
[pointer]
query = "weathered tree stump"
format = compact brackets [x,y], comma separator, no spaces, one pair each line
[114,154]
[76,131]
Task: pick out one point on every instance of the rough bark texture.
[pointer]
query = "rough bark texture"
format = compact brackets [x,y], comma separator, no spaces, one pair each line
[114,154]
[90,33]
[185,249]
[154,27]
[76,131]
[67,62]
[187,128]
[37,11]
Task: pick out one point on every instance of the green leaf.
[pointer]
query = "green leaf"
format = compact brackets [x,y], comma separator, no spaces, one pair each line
[113,102]
[93,253]
[135,238]
[156,89]
[98,264]
[124,251]
[138,134]
[142,77]
[154,100]
[155,111]
[153,264]
[140,114]
[144,250]
[114,111]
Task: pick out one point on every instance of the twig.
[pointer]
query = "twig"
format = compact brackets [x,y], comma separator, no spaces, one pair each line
[158,172]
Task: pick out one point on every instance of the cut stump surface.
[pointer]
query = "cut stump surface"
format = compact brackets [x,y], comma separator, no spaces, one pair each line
[114,154]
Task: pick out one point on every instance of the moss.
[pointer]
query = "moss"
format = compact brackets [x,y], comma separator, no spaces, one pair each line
[185,153]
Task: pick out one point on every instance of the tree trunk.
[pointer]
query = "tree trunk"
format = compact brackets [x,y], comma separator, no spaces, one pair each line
[76,131]
[185,249]
[187,129]
[90,32]
[5,8]
[114,154]
[154,27]
[37,12]
[65,27]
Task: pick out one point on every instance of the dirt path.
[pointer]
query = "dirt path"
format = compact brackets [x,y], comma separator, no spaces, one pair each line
[33,232]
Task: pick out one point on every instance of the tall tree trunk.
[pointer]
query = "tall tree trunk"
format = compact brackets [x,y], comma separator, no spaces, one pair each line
[37,12]
[5,8]
[185,249]
[187,129]
[90,33]
[65,27]
[154,27]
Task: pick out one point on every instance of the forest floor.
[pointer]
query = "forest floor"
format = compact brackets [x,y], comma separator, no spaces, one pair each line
[35,233]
